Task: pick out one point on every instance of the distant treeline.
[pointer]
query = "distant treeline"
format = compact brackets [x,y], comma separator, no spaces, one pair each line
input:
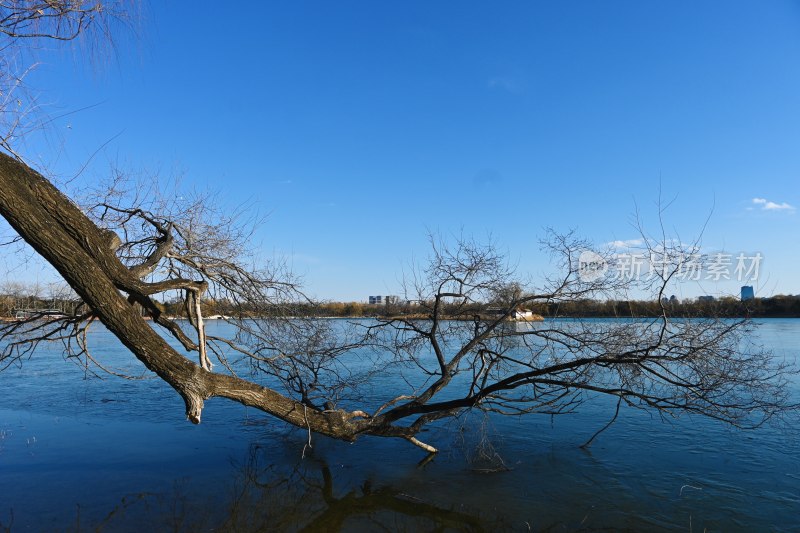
[775,306]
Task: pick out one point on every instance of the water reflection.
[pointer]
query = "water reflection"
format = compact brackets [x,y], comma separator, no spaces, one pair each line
[313,486]
[270,497]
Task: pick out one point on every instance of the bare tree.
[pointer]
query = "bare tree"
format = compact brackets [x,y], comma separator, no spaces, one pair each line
[24,26]
[124,252]
[467,359]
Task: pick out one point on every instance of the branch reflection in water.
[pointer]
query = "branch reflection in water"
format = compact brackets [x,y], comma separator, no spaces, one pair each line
[267,497]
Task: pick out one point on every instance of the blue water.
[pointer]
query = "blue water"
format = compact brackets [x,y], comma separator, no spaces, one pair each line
[80,453]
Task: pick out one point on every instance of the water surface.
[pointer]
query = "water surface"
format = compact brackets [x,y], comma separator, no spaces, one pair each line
[80,453]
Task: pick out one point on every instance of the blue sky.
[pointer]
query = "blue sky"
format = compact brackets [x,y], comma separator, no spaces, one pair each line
[360,126]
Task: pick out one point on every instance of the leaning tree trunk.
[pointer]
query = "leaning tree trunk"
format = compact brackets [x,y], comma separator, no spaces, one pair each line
[85,256]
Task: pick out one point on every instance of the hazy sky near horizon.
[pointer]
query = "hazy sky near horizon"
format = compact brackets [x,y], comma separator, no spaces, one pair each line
[361,126]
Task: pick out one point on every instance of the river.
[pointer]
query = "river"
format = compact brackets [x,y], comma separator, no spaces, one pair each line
[78,453]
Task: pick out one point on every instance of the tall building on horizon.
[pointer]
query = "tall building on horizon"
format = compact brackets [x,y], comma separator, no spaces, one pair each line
[747,293]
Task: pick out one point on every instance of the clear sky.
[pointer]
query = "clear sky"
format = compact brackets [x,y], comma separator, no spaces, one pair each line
[359,126]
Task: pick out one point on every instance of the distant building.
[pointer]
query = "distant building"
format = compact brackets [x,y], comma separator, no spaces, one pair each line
[705,299]
[525,315]
[747,293]
[673,300]
[25,314]
[386,300]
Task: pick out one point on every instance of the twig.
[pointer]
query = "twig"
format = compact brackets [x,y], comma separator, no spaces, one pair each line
[616,412]
[680,493]
[308,444]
